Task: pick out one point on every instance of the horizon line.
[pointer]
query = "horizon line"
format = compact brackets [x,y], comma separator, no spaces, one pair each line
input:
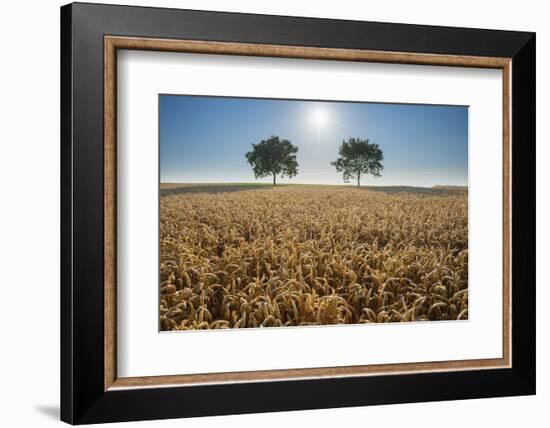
[268,183]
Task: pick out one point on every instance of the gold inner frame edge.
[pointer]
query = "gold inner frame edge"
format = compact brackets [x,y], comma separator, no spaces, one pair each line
[113,43]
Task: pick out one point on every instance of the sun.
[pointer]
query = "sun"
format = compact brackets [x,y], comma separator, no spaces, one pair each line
[319,117]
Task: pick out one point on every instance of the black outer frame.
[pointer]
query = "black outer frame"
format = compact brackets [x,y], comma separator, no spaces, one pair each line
[83,399]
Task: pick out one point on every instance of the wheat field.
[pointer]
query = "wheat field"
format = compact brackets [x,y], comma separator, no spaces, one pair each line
[311,255]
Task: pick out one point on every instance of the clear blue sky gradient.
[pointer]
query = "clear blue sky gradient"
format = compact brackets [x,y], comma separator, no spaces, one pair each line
[204,139]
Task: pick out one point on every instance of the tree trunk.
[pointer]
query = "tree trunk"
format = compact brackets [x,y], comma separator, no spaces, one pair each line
[274,180]
[358,179]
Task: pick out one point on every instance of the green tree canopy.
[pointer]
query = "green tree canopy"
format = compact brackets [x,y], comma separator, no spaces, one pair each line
[359,157]
[273,157]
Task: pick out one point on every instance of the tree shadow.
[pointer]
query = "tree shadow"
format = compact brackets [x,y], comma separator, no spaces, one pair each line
[429,191]
[212,188]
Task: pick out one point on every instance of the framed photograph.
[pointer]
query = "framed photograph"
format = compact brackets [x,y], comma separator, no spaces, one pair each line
[265,213]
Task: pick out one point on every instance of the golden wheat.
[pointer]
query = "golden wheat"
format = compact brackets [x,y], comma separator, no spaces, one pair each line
[292,256]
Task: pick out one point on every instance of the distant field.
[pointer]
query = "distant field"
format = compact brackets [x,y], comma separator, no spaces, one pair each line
[252,255]
[175,188]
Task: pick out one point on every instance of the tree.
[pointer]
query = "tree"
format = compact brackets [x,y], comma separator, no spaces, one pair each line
[359,157]
[273,157]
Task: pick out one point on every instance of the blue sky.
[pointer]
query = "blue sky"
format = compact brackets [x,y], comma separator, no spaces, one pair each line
[204,139]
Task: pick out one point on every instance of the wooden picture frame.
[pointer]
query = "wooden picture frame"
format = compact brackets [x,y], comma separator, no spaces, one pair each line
[91,390]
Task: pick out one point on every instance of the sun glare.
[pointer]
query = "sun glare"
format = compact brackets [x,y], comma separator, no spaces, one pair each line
[319,117]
